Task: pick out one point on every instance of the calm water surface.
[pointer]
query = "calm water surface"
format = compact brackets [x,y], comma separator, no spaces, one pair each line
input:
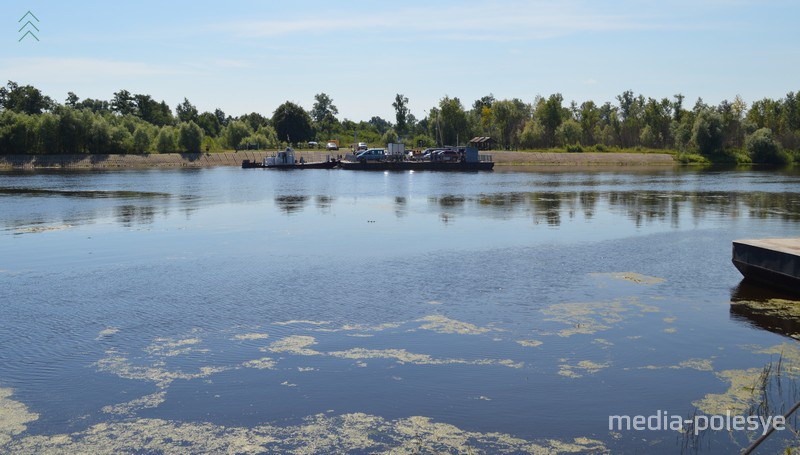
[334,311]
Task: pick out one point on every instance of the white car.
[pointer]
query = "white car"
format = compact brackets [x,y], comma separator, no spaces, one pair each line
[332,146]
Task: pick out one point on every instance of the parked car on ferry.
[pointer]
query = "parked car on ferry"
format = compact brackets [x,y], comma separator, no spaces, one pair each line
[429,152]
[446,155]
[371,155]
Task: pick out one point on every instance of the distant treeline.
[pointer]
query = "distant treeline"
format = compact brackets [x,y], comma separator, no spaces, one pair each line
[766,131]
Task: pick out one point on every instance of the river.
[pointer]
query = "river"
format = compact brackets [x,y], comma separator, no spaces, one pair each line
[326,311]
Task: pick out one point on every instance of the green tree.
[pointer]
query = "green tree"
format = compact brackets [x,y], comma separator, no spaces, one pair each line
[510,117]
[94,105]
[71,130]
[24,99]
[707,132]
[533,135]
[763,148]
[401,112]
[323,106]
[254,120]
[569,132]
[141,140]
[121,140]
[389,137]
[49,137]
[186,111]
[209,123]
[72,100]
[235,133]
[123,103]
[292,123]
[550,114]
[165,142]
[453,124]
[380,125]
[589,118]
[190,137]
[151,111]
[99,140]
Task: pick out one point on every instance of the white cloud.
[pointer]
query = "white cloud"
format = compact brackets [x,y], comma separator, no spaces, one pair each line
[494,21]
[66,69]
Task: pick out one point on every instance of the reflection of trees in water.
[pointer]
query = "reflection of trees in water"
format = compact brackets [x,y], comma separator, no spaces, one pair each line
[638,206]
[324,202]
[291,204]
[400,206]
[130,215]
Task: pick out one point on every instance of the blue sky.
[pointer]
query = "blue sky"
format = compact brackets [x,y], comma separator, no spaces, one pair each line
[244,56]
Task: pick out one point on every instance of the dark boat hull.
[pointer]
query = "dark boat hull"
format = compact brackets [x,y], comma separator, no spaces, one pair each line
[247,164]
[418,166]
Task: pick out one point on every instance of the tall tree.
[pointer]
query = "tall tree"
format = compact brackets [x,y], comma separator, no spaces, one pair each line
[401,112]
[323,106]
[123,103]
[190,137]
[550,114]
[707,132]
[72,99]
[25,99]
[453,121]
[186,111]
[292,123]
[510,116]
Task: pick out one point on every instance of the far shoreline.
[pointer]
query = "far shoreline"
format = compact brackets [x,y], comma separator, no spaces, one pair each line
[200,160]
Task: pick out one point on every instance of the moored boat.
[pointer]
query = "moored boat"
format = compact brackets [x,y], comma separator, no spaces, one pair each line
[285,160]
[464,159]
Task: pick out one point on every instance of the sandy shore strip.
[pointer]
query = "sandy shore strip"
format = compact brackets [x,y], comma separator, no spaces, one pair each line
[176,160]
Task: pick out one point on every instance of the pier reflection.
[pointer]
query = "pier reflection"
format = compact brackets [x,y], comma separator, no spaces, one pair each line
[766,309]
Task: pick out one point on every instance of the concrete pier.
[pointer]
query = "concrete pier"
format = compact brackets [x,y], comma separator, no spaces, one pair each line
[772,262]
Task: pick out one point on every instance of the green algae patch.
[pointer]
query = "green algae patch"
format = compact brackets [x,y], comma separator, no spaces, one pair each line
[743,387]
[581,368]
[302,322]
[587,318]
[691,364]
[129,408]
[442,324]
[250,336]
[119,365]
[106,333]
[264,363]
[529,343]
[13,417]
[170,347]
[357,432]
[631,277]
[603,343]
[294,344]
[371,328]
[402,356]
